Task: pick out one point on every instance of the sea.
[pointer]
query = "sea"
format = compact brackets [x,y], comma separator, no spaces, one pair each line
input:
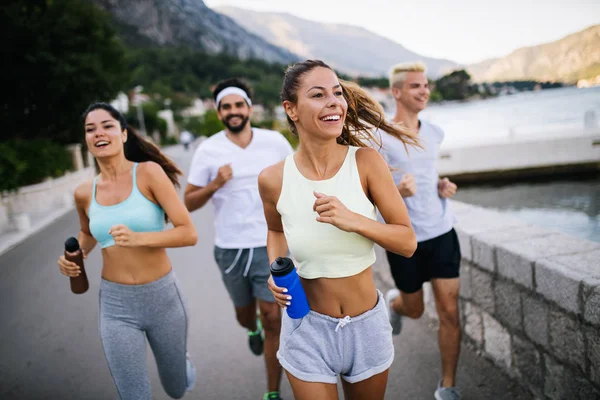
[570,205]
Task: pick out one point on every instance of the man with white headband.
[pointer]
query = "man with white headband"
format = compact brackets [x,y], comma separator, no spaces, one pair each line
[225,169]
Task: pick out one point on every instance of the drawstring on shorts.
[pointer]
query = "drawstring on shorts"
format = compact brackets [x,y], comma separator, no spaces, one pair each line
[343,322]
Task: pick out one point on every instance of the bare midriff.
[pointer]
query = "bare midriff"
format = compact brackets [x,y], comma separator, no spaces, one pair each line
[341,297]
[134,266]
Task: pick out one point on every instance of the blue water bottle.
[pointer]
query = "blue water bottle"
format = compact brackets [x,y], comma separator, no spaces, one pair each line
[284,275]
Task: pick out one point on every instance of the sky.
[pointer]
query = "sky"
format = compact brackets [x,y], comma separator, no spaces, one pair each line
[465,31]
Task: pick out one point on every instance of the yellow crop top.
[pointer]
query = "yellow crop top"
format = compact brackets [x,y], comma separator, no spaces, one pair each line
[320,249]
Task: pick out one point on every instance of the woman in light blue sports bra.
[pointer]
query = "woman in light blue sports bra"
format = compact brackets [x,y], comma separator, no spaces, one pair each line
[124,209]
[320,205]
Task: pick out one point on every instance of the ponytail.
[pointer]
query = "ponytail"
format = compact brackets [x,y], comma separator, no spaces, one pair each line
[138,149]
[365,113]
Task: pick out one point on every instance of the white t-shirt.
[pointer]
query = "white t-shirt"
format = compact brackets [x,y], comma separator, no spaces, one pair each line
[239,216]
[429,214]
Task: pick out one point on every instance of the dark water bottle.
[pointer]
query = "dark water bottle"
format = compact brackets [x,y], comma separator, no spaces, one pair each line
[73,253]
[284,275]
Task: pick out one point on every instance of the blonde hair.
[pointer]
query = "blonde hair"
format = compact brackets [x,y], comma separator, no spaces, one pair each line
[363,115]
[398,72]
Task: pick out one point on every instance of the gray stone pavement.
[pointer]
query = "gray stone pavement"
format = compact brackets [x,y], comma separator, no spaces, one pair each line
[50,346]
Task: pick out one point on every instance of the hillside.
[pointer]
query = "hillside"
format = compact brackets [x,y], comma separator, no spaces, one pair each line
[349,49]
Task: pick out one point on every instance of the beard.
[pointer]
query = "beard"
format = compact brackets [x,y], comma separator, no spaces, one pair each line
[237,128]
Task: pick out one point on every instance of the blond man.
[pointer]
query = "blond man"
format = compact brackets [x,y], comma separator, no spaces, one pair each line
[437,258]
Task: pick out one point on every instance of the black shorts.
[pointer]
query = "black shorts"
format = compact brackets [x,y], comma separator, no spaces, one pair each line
[434,258]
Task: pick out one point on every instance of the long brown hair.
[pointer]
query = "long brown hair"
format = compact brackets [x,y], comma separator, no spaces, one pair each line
[363,117]
[138,149]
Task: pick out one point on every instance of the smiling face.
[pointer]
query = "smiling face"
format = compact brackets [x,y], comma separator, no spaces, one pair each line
[234,112]
[414,92]
[320,108]
[103,134]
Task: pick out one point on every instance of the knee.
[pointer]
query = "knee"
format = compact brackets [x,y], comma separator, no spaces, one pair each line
[245,318]
[415,311]
[271,320]
[449,316]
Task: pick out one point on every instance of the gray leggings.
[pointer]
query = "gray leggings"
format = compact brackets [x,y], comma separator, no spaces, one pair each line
[131,313]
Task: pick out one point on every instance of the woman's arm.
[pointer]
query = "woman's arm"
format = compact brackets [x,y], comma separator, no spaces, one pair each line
[85,238]
[397,234]
[183,232]
[82,201]
[269,187]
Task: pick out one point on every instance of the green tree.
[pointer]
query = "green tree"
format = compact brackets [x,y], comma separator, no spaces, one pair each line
[455,86]
[211,123]
[59,56]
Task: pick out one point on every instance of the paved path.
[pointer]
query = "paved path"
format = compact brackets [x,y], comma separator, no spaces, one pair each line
[50,347]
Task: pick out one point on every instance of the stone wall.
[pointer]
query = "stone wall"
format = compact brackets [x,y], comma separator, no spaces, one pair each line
[36,200]
[529,301]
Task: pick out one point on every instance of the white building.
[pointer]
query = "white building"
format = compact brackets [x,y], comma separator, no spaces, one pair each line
[167,115]
[197,109]
[121,103]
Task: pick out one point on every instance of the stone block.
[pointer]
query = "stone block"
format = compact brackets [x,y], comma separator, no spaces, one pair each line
[484,244]
[473,323]
[591,300]
[508,304]
[528,362]
[478,220]
[465,280]
[482,289]
[464,240]
[515,259]
[567,339]
[497,341]
[592,336]
[559,278]
[535,319]
[562,383]
[557,283]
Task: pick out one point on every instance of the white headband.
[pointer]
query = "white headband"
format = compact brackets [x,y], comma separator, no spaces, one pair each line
[233,90]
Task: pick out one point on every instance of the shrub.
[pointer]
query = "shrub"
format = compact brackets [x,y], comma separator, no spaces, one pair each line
[26,162]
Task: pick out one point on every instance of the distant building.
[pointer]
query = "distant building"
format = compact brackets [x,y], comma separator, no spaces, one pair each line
[137,97]
[279,113]
[258,112]
[209,104]
[587,83]
[121,103]
[167,115]
[197,109]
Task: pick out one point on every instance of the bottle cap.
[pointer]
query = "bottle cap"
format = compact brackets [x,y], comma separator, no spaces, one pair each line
[71,245]
[282,266]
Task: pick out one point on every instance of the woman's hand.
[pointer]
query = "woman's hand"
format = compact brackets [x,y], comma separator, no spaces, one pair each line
[124,236]
[282,299]
[69,268]
[332,211]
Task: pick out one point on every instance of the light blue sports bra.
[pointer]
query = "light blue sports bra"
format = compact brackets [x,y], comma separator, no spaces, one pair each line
[136,212]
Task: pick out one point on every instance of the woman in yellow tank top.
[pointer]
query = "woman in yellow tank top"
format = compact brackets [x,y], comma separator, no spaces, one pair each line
[320,205]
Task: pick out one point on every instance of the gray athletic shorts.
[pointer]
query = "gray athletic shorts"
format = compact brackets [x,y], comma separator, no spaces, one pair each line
[245,273]
[318,348]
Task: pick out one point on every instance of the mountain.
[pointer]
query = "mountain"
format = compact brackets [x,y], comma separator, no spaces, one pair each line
[569,59]
[349,49]
[188,22]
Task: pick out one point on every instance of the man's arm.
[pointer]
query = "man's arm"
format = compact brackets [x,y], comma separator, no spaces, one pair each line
[196,197]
